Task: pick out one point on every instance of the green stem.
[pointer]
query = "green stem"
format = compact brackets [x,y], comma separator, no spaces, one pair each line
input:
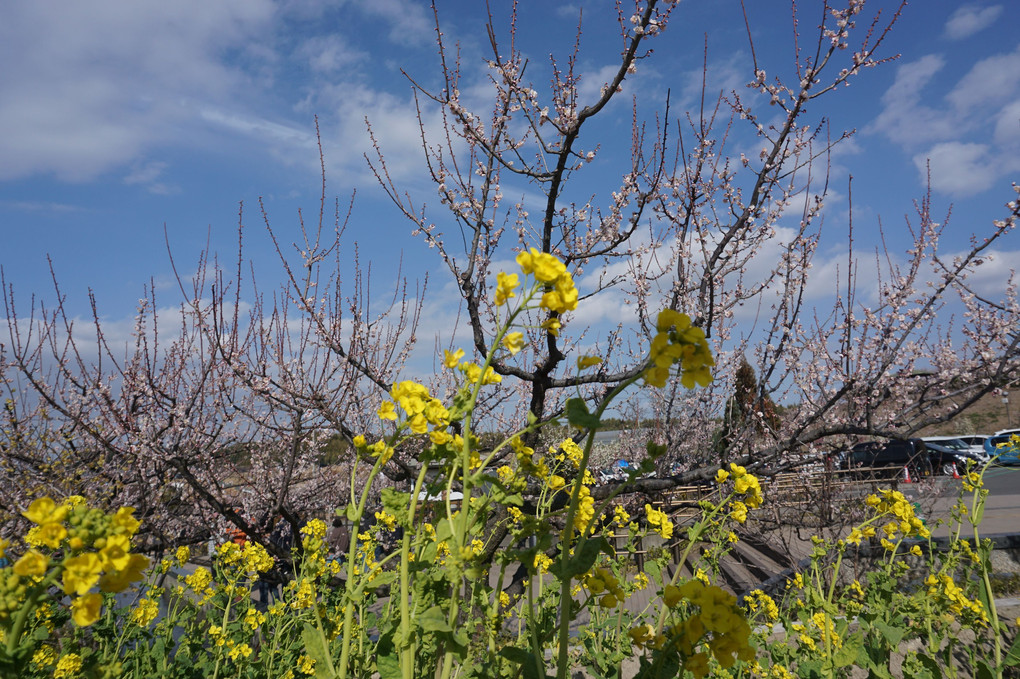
[345,645]
[977,508]
[463,525]
[37,596]
[407,654]
[693,535]
[567,536]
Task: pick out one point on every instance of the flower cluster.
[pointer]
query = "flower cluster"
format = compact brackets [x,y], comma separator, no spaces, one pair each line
[421,409]
[602,583]
[744,484]
[818,634]
[757,600]
[892,503]
[713,620]
[473,373]
[678,341]
[81,548]
[659,522]
[561,294]
[943,590]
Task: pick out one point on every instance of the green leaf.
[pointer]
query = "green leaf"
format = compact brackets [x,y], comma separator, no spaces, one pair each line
[387,658]
[578,415]
[930,665]
[433,620]
[444,530]
[384,578]
[811,669]
[388,665]
[317,650]
[352,512]
[891,634]
[875,660]
[655,450]
[1013,654]
[396,503]
[524,658]
[583,559]
[846,655]
[984,671]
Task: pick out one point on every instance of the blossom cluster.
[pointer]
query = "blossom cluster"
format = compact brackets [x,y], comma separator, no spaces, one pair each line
[744,484]
[677,340]
[895,505]
[561,294]
[81,548]
[714,627]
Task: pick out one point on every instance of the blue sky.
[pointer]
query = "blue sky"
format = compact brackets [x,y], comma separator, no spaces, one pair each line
[121,117]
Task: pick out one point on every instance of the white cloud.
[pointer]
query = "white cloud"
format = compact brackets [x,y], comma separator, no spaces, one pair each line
[39,206]
[590,89]
[329,53]
[407,19]
[969,19]
[992,277]
[259,127]
[957,168]
[148,175]
[989,81]
[97,83]
[1007,127]
[569,10]
[904,119]
[394,120]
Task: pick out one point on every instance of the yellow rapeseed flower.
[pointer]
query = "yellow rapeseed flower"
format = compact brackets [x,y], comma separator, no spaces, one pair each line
[505,285]
[125,523]
[44,510]
[85,610]
[387,411]
[450,360]
[145,612]
[31,564]
[81,572]
[671,596]
[514,342]
[306,665]
[659,522]
[118,581]
[67,666]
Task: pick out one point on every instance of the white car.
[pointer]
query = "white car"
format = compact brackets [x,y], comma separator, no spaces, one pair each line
[960,447]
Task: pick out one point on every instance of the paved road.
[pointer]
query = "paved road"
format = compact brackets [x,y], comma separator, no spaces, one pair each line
[1002,511]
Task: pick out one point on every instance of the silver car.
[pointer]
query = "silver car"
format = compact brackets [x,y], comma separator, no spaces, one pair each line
[960,447]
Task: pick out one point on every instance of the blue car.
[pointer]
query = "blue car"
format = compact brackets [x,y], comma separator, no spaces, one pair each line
[1007,453]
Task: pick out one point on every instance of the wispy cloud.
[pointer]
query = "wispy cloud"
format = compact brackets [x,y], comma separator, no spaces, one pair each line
[904,118]
[957,168]
[407,20]
[990,82]
[943,140]
[41,206]
[99,83]
[148,175]
[970,19]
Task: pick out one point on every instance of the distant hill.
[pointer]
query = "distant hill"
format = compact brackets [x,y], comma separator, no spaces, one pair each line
[987,416]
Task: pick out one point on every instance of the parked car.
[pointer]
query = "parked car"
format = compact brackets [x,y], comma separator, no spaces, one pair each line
[974,440]
[892,455]
[946,460]
[1007,453]
[961,447]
